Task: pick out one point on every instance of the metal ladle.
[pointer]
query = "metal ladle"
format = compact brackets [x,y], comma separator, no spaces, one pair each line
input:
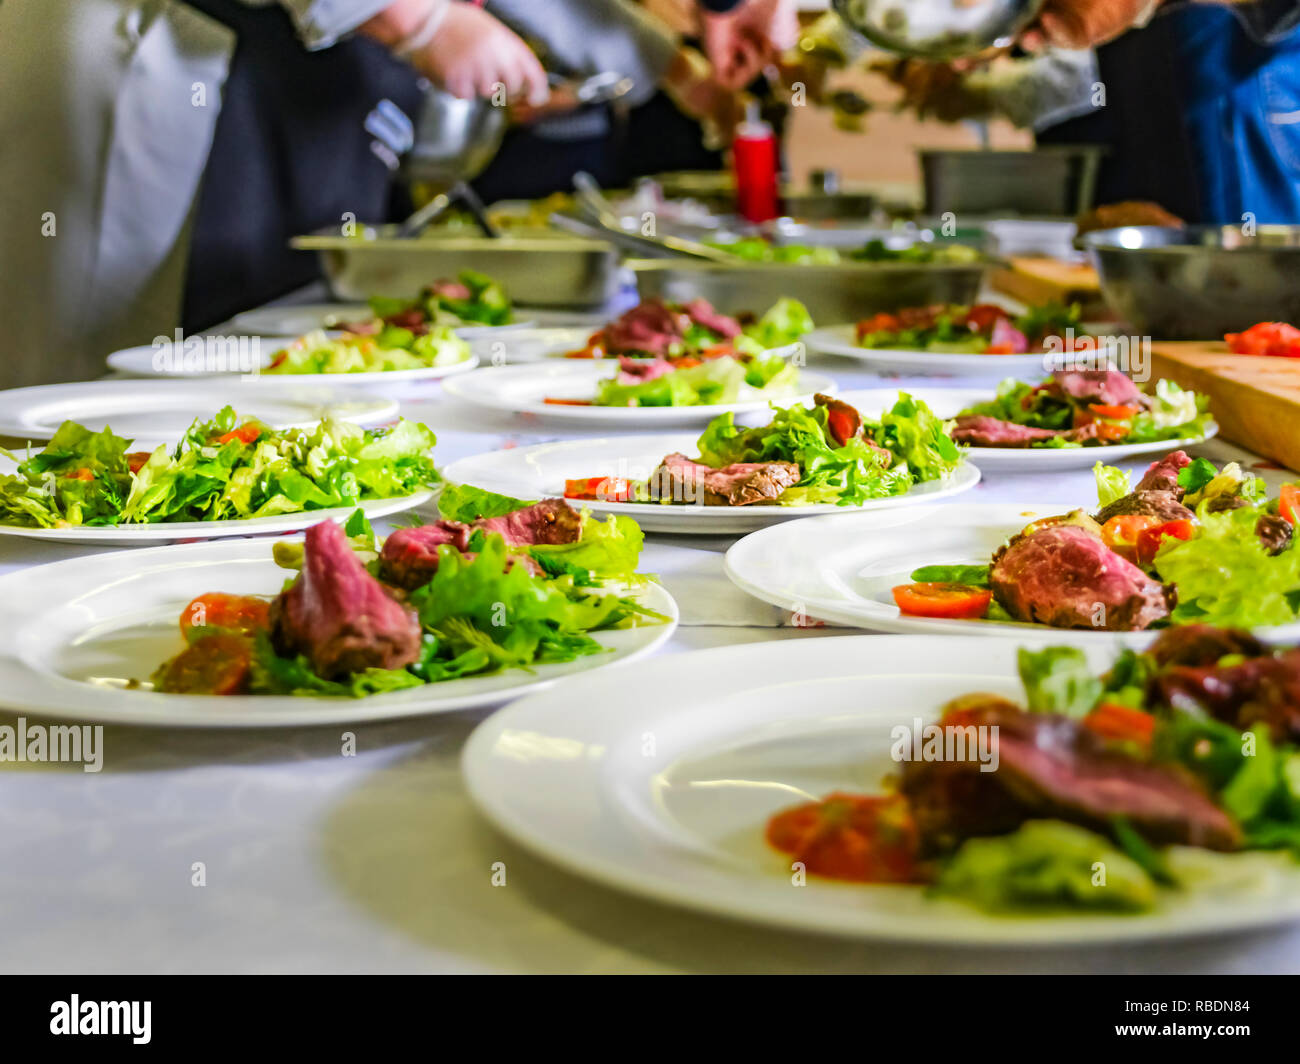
[938,29]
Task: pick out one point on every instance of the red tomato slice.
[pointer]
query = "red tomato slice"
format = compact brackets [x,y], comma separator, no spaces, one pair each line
[218,664]
[244,434]
[1121,533]
[1122,723]
[602,489]
[135,461]
[983,316]
[852,837]
[1267,338]
[1115,411]
[961,601]
[552,401]
[1288,502]
[80,474]
[878,323]
[998,349]
[1149,539]
[236,613]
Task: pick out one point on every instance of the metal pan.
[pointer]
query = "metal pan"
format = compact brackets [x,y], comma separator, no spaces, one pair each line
[832,293]
[542,269]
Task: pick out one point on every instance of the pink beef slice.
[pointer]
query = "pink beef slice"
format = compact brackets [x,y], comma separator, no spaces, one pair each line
[650,327]
[410,555]
[1162,475]
[1051,766]
[339,616]
[979,430]
[702,313]
[450,290]
[740,484]
[551,521]
[1109,387]
[1064,576]
[640,370]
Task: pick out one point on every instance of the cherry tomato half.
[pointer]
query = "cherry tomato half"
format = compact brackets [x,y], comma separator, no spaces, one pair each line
[961,601]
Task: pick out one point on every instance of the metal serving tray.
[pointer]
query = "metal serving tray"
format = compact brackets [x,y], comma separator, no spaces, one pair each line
[832,293]
[539,268]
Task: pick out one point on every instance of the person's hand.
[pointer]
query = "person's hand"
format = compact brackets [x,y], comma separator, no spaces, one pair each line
[1085,23]
[741,42]
[692,84]
[935,90]
[472,53]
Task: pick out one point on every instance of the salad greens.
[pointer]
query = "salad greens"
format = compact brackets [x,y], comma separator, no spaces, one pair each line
[907,445]
[1058,680]
[222,469]
[760,249]
[717,380]
[393,348]
[445,303]
[605,550]
[784,322]
[1046,863]
[1174,413]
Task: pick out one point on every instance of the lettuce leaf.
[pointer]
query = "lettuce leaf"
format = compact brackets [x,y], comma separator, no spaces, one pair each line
[913,432]
[784,323]
[1058,680]
[1224,575]
[1112,483]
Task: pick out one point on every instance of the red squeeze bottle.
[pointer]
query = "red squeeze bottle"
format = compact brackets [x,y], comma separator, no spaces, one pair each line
[754,159]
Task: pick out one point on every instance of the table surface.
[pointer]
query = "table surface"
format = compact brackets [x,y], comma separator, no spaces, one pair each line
[320,862]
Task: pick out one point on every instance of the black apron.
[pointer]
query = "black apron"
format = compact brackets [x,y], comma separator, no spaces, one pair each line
[289,155]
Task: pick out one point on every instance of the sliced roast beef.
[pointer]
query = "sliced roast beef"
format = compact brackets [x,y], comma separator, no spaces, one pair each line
[702,313]
[1051,766]
[1161,504]
[740,484]
[640,370]
[1162,475]
[1264,689]
[339,616]
[1108,387]
[1202,644]
[548,521]
[650,327]
[1066,577]
[410,555]
[979,430]
[1006,336]
[449,290]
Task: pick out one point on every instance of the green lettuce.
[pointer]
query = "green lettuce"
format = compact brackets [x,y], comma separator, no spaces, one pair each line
[335,463]
[1058,680]
[1112,483]
[912,431]
[784,323]
[1225,576]
[719,380]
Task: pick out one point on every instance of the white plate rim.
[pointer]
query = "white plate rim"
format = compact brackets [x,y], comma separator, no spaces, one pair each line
[706,520]
[464,388]
[75,699]
[482,776]
[837,340]
[122,361]
[891,621]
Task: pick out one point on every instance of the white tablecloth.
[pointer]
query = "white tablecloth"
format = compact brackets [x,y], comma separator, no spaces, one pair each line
[318,862]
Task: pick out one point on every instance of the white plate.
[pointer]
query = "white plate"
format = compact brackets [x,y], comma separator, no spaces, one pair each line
[949,402]
[666,791]
[541,470]
[843,570]
[160,411]
[149,361]
[76,629]
[175,531]
[307,317]
[522,389]
[838,340]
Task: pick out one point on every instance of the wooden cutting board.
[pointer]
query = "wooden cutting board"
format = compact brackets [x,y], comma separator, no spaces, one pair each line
[1042,280]
[1255,399]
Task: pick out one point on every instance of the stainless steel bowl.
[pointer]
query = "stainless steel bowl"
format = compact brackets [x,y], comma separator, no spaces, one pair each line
[455,139]
[1051,181]
[832,294]
[938,29]
[1198,282]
